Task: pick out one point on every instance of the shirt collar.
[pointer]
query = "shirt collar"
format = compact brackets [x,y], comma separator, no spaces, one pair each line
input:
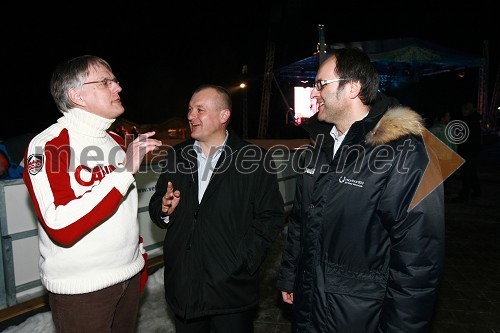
[335,133]
[197,147]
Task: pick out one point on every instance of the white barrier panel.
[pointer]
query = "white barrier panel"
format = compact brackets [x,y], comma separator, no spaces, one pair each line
[151,234]
[19,242]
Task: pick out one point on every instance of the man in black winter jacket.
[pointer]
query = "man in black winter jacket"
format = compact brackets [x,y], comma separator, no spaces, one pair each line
[360,256]
[219,200]
[470,150]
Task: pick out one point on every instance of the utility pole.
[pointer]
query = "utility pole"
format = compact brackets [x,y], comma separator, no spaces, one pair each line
[266,87]
[321,43]
[482,98]
[244,130]
[495,101]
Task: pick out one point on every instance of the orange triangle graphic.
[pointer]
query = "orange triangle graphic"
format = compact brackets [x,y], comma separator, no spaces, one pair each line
[443,162]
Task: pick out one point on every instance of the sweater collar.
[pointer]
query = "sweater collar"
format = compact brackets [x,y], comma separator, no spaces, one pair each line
[86,123]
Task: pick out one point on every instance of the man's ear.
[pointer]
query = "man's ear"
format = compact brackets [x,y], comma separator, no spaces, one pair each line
[354,88]
[224,115]
[75,97]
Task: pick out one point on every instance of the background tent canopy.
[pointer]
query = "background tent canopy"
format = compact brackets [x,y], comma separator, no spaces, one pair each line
[406,57]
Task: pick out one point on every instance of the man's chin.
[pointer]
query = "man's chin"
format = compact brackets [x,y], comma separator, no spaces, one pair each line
[119,109]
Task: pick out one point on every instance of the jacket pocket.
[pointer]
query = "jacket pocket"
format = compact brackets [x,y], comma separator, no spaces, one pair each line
[340,280]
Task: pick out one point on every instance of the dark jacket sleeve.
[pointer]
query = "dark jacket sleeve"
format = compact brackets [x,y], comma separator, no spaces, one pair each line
[268,217]
[417,248]
[289,259]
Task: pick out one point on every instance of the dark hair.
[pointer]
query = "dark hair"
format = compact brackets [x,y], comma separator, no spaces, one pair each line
[226,102]
[354,64]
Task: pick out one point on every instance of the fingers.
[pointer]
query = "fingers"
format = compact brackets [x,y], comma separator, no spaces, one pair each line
[170,200]
[143,140]
[136,151]
[171,192]
[150,144]
[146,135]
[287,297]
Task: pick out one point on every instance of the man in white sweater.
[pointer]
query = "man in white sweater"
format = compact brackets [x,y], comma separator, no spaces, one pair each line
[81,180]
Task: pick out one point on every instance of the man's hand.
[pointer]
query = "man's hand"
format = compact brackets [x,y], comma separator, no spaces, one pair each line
[287,297]
[170,200]
[137,149]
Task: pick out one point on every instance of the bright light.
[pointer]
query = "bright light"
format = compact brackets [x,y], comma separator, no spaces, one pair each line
[305,107]
[242,85]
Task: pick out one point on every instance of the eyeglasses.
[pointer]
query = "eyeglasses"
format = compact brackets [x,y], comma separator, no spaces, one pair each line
[105,82]
[321,83]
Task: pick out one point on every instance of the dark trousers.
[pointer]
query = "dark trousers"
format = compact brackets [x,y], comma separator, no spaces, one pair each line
[470,179]
[241,322]
[110,310]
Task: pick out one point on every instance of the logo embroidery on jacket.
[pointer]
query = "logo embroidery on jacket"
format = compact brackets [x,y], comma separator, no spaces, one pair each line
[352,182]
[310,171]
[35,164]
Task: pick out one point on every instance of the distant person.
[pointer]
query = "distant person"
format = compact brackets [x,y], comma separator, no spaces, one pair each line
[218,198]
[438,128]
[82,185]
[469,150]
[358,257]
[12,154]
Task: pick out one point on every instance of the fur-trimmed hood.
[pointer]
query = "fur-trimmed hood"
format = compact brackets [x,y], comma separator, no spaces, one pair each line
[396,122]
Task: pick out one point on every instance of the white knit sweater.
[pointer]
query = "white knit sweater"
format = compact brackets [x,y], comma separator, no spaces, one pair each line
[86,204]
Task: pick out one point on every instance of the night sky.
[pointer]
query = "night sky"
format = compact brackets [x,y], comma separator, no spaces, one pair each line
[161,52]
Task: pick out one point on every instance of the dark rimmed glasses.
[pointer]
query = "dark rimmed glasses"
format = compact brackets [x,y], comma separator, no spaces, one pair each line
[320,84]
[105,82]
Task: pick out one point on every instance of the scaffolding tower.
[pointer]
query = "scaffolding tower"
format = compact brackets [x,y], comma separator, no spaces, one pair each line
[266,89]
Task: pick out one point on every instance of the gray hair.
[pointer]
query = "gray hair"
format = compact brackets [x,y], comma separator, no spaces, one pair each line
[71,75]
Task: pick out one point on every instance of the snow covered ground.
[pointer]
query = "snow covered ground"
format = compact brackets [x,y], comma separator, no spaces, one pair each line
[154,315]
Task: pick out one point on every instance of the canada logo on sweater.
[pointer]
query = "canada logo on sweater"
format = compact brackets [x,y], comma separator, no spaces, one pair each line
[86,176]
[35,164]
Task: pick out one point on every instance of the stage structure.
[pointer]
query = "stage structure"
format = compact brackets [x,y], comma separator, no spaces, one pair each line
[403,60]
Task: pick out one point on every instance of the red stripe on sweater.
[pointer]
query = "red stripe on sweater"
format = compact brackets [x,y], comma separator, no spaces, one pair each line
[58,156]
[78,229]
[57,162]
